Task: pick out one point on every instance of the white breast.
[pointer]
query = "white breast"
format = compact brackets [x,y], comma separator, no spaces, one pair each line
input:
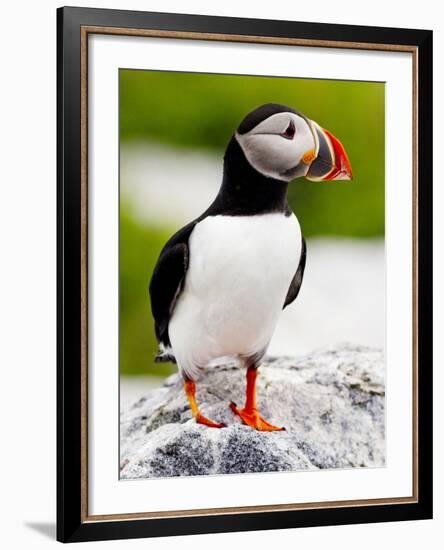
[238,277]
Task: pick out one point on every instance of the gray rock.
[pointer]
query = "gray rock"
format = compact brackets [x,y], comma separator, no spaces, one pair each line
[331,403]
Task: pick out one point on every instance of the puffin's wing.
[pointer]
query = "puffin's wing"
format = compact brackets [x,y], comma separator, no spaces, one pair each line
[296,283]
[167,281]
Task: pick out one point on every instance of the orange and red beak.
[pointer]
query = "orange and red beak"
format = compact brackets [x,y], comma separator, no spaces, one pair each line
[331,161]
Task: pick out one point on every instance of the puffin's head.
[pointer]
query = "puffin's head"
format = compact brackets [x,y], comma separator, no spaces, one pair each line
[283,144]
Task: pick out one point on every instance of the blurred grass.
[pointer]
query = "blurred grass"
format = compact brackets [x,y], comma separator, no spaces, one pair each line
[201,111]
[139,249]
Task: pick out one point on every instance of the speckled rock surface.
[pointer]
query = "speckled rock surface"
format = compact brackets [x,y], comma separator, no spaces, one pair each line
[331,403]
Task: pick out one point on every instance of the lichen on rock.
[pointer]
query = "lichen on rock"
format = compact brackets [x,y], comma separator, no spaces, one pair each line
[331,402]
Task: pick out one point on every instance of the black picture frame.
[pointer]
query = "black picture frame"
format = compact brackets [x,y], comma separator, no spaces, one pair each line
[72,525]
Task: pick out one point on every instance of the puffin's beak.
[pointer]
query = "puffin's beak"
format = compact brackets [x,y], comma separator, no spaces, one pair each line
[331,161]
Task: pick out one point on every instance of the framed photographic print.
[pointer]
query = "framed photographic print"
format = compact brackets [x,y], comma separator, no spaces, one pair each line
[244,274]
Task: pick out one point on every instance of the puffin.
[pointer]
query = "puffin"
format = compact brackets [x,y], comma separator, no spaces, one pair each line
[221,282]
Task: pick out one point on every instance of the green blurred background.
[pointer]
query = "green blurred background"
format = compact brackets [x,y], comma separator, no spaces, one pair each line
[199,112]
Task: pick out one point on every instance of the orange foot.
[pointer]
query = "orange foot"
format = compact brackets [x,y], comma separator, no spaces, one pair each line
[252,418]
[201,419]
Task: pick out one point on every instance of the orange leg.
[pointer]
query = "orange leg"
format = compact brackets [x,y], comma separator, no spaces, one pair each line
[190,390]
[249,413]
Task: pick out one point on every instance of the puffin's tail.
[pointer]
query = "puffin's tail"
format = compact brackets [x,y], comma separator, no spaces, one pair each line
[165,355]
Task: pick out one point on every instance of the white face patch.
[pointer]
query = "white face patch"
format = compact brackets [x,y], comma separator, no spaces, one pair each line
[273,151]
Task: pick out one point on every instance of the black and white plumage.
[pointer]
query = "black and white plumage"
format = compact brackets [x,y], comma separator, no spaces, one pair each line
[221,282]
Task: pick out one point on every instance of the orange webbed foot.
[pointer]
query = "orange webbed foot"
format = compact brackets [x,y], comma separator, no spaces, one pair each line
[252,418]
[190,390]
[201,419]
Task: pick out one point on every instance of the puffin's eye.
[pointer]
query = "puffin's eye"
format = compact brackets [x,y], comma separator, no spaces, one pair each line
[290,131]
